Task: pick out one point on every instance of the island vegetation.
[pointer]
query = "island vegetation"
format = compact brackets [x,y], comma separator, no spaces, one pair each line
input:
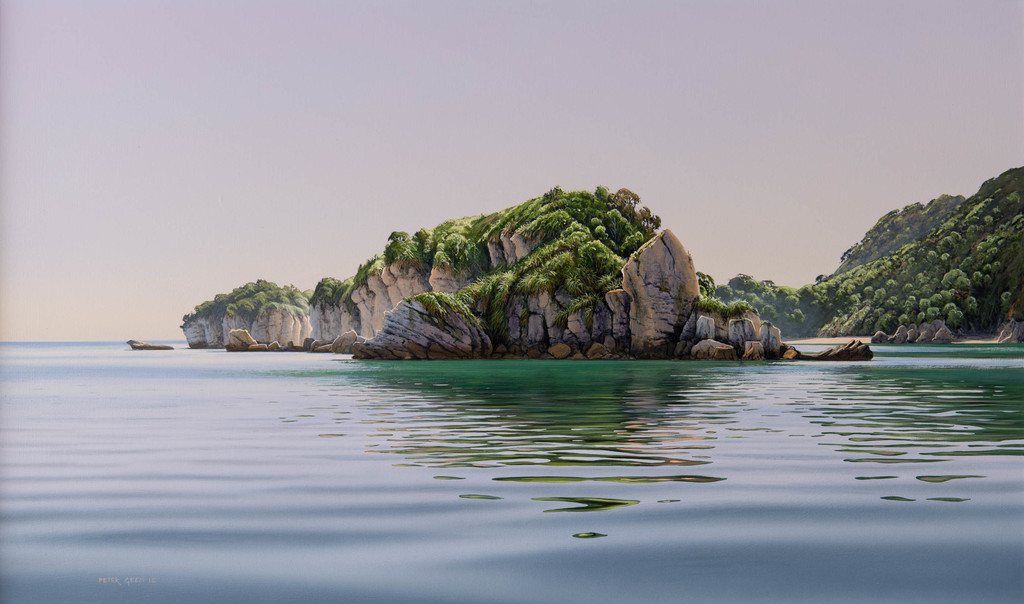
[251,300]
[966,270]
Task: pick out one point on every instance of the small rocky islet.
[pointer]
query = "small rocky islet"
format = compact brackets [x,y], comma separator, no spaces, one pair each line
[569,275]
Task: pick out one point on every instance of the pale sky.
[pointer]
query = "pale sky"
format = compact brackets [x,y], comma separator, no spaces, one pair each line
[157,153]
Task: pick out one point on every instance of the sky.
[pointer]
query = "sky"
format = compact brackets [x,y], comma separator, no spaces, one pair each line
[154,154]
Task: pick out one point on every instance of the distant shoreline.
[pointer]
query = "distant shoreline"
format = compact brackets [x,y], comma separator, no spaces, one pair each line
[867,339]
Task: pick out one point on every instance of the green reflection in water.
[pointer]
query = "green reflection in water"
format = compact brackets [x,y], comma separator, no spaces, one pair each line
[620,479]
[937,403]
[449,478]
[473,496]
[874,477]
[947,477]
[948,499]
[590,504]
[897,498]
[589,535]
[534,413]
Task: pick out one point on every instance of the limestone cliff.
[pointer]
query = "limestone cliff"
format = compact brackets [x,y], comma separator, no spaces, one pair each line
[272,326]
[364,307]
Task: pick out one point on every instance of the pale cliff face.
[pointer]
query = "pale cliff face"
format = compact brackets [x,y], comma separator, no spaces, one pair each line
[272,326]
[384,291]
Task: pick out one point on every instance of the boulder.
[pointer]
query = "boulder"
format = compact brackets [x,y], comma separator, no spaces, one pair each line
[912,335]
[410,331]
[307,344]
[943,336]
[322,348]
[713,350]
[901,336]
[753,351]
[239,339]
[275,345]
[560,350]
[259,348]
[662,284]
[597,351]
[771,340]
[140,345]
[741,331]
[880,337]
[683,349]
[705,328]
[343,343]
[854,350]
[928,331]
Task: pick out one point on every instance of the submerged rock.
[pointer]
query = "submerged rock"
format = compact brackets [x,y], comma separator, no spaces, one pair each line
[854,350]
[140,345]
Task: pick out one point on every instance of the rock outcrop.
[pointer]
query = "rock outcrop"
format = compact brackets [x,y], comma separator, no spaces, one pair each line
[935,332]
[771,340]
[662,283]
[854,350]
[239,339]
[140,345]
[1011,333]
[343,343]
[713,350]
[410,331]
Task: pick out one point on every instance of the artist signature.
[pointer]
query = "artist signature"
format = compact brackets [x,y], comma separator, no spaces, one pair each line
[128,580]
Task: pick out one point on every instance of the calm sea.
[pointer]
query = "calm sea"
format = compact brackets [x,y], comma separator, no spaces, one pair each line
[207,476]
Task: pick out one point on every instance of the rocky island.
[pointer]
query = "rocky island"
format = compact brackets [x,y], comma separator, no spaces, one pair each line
[570,274]
[565,275]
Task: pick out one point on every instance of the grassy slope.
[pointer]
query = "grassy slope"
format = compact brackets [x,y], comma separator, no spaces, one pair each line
[968,271]
[253,298]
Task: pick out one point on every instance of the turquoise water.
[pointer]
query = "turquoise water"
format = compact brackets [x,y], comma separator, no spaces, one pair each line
[206,476]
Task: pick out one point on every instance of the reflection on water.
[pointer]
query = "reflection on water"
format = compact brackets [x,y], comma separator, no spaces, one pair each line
[676,414]
[894,480]
[590,504]
[546,414]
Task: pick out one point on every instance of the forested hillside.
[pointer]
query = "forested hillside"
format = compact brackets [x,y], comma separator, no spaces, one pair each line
[898,228]
[968,271]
